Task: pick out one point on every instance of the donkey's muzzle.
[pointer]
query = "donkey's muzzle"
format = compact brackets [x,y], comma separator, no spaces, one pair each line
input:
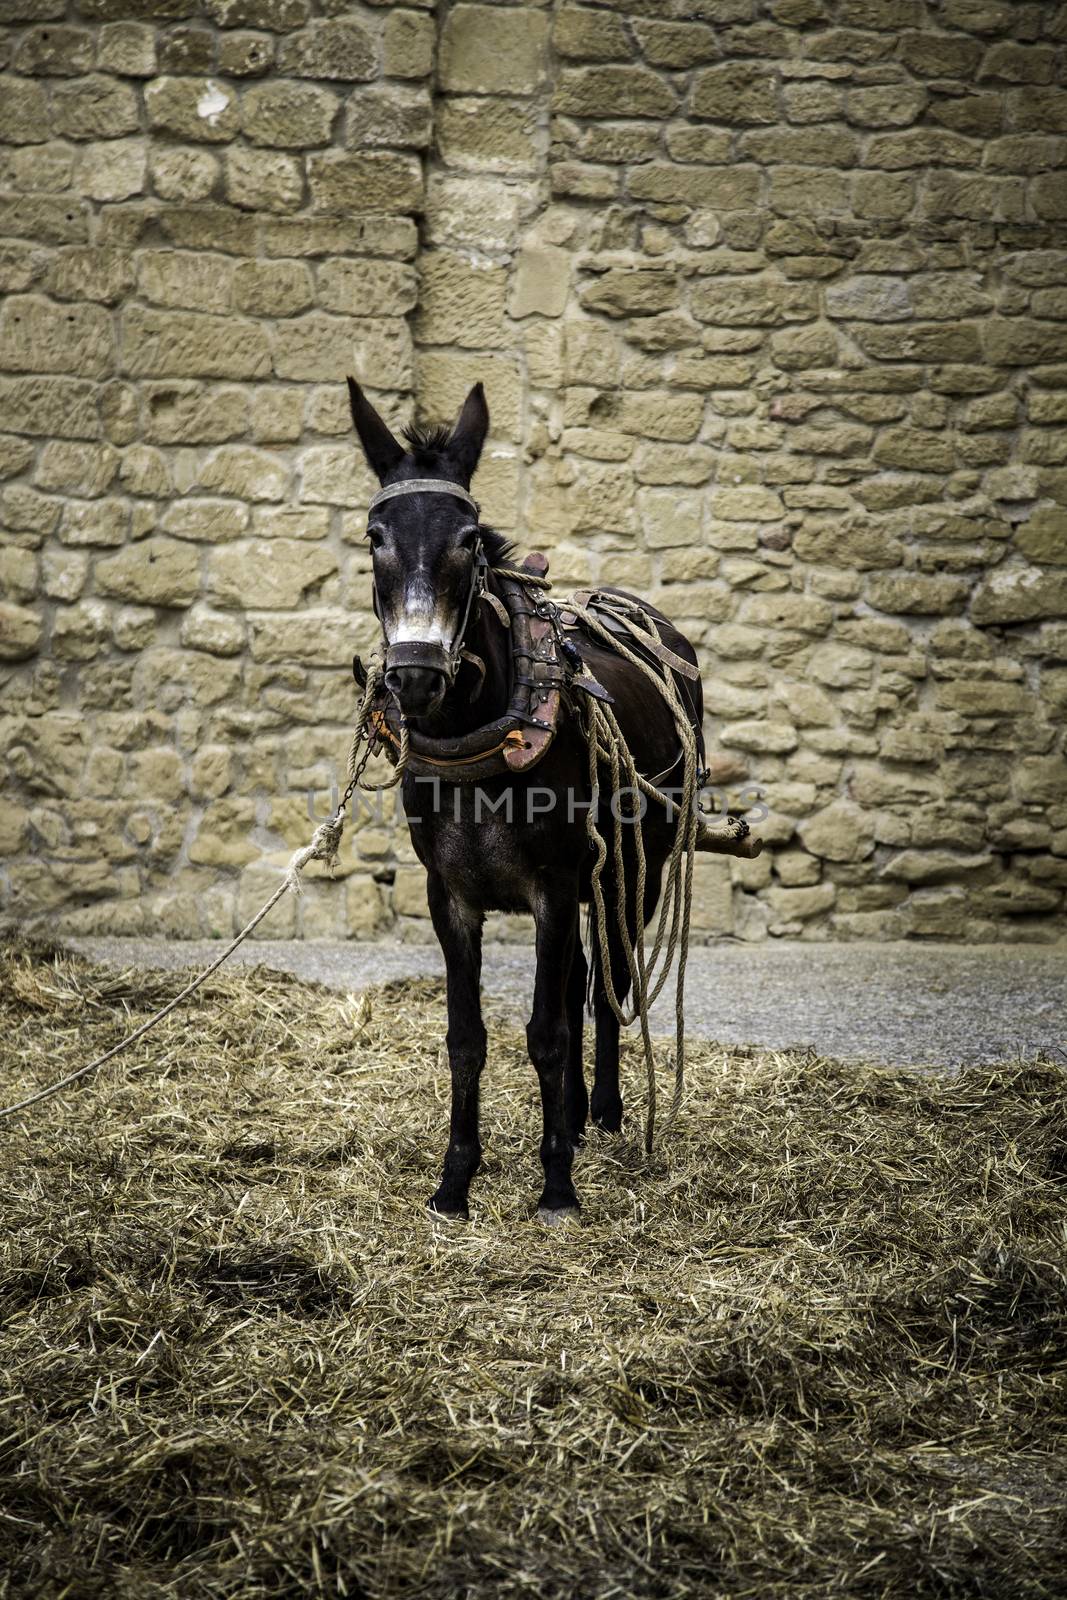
[417,673]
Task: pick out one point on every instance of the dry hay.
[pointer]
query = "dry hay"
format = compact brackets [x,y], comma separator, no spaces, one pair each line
[813,1346]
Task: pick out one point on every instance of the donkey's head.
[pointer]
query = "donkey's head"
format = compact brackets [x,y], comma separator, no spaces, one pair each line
[426,545]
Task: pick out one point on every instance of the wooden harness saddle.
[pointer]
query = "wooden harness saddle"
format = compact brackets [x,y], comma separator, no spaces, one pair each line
[546,666]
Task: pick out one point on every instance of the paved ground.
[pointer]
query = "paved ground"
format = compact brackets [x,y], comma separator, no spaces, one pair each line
[905,1004]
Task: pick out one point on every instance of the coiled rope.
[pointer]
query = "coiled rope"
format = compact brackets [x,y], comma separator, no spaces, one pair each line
[607,746]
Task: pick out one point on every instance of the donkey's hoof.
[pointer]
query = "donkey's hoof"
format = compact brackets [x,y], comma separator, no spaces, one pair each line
[442,1213]
[564,1216]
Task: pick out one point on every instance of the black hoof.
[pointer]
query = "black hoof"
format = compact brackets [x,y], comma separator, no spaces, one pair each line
[558,1217]
[448,1211]
[609,1121]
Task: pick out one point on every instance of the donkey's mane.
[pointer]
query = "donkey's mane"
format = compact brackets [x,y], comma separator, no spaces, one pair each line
[429,441]
[430,448]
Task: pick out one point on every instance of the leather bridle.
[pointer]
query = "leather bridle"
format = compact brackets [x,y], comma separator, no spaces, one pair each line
[430,653]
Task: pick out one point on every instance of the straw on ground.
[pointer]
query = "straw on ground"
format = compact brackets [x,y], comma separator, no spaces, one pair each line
[813,1345]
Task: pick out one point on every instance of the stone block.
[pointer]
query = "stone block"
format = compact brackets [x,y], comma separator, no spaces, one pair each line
[278,15]
[490,135]
[799,904]
[797,191]
[245,55]
[319,347]
[288,115]
[408,44]
[38,336]
[364,288]
[79,632]
[272,288]
[631,291]
[263,180]
[841,831]
[182,173]
[869,298]
[1043,538]
[186,344]
[96,522]
[311,638]
[18,573]
[713,909]
[23,113]
[479,212]
[76,468]
[753,302]
[20,631]
[274,574]
[766,738]
[1019,594]
[95,107]
[336,474]
[245,473]
[746,503]
[212,632]
[185,279]
[157,571]
[389,114]
[922,341]
[224,839]
[735,92]
[113,170]
[804,613]
[676,44]
[46,219]
[725,188]
[335,48]
[461,302]
[189,413]
[914,594]
[602,91]
[493,50]
[581,34]
[658,414]
[204,110]
[376,180]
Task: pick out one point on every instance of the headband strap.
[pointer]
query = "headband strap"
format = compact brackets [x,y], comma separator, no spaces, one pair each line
[422,486]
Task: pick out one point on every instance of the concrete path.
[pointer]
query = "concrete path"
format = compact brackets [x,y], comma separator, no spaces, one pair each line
[906,1004]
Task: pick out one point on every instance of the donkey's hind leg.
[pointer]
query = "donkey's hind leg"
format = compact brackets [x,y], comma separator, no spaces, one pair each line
[548,1040]
[575,1093]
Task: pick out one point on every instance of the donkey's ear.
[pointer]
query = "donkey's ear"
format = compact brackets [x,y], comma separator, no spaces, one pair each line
[380,448]
[468,434]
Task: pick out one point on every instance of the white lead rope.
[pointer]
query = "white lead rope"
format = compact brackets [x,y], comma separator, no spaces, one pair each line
[323,847]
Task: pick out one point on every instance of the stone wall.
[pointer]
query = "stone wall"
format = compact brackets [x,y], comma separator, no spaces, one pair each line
[770,300]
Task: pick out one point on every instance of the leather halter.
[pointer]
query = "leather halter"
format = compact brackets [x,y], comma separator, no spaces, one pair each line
[422,486]
[419,652]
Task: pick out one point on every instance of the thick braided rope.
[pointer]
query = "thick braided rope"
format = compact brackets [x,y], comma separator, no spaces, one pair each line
[607,744]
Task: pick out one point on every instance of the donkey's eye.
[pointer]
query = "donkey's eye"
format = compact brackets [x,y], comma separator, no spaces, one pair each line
[375,536]
[467,537]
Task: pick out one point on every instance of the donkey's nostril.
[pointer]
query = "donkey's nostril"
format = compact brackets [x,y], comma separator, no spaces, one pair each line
[393,681]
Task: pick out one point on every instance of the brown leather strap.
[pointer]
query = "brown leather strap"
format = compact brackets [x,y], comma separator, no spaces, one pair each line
[619,610]
[515,739]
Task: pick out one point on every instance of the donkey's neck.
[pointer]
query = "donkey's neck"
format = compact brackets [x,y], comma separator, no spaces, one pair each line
[466,706]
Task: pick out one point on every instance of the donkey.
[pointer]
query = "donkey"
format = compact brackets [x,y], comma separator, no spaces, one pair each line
[431,555]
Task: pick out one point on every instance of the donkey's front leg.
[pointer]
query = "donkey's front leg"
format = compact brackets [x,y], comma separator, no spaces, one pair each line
[548,1040]
[459,931]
